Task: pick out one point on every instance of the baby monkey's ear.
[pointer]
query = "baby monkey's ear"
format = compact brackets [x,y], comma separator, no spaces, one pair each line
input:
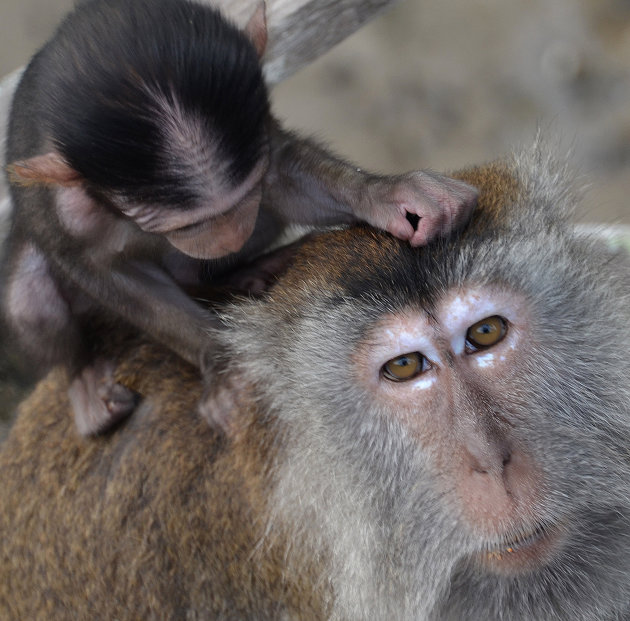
[49,169]
[256,28]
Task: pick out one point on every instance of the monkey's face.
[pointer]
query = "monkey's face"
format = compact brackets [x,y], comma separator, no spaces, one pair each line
[219,225]
[445,372]
[221,234]
[466,406]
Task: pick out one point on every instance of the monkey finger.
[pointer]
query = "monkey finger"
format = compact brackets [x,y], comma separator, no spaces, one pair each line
[441,188]
[119,400]
[398,225]
[427,215]
[453,198]
[433,223]
[97,400]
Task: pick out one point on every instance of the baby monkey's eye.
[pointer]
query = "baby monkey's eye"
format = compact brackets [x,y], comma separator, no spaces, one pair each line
[485,333]
[405,367]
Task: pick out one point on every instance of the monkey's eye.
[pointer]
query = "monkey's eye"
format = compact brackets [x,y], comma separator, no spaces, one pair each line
[405,367]
[485,333]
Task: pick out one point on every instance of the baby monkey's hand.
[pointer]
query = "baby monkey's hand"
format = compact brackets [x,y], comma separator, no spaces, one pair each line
[394,203]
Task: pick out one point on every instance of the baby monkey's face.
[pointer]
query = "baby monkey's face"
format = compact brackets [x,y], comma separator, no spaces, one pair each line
[217,225]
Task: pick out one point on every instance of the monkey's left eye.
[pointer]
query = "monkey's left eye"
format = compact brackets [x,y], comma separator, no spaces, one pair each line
[485,333]
[405,367]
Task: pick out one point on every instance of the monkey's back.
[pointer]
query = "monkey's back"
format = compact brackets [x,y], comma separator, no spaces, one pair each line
[160,521]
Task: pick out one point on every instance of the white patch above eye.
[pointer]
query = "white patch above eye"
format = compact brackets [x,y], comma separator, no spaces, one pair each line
[396,336]
[464,308]
[406,335]
[441,337]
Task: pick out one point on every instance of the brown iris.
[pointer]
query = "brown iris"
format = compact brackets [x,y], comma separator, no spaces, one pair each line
[405,367]
[485,333]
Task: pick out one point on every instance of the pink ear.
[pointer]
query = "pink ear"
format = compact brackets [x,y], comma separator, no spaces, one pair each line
[47,169]
[256,28]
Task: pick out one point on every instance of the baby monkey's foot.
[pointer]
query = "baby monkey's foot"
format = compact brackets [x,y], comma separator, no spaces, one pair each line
[220,407]
[98,401]
[222,403]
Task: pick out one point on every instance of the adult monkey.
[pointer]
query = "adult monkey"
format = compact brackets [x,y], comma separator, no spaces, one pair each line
[436,433]
[140,143]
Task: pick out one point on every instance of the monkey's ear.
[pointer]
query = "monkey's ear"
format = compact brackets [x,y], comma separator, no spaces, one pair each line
[48,169]
[256,28]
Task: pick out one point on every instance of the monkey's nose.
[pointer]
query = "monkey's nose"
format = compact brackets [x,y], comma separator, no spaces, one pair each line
[497,484]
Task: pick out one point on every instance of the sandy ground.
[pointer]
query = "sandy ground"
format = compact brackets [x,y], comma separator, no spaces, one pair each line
[448,83]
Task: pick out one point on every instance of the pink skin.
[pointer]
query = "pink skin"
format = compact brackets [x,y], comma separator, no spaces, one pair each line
[222,222]
[441,203]
[222,234]
[214,229]
[480,461]
[217,227]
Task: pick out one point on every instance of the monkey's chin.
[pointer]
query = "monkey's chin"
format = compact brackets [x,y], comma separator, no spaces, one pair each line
[524,553]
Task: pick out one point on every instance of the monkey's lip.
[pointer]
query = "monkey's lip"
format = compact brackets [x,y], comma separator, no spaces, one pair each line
[523,552]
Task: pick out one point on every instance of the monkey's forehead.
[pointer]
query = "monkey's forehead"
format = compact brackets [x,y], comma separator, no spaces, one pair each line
[519,235]
[359,263]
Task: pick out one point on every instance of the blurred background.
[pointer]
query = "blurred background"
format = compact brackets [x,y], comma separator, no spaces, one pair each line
[449,83]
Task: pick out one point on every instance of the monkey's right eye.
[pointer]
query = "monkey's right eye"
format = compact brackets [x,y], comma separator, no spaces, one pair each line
[405,367]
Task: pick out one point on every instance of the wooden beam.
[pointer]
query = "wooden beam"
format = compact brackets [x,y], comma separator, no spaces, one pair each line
[302,30]
[299,32]
[7,86]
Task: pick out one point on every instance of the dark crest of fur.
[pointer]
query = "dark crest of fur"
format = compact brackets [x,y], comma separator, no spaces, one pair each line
[118,71]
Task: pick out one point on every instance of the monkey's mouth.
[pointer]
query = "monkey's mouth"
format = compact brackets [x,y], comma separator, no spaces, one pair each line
[523,551]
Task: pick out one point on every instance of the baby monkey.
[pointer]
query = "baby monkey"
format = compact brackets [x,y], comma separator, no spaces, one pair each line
[143,159]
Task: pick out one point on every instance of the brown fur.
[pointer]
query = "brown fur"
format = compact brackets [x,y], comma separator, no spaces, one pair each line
[498,187]
[115,527]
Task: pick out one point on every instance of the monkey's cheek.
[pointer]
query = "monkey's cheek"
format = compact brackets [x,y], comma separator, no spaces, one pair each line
[216,238]
[197,246]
